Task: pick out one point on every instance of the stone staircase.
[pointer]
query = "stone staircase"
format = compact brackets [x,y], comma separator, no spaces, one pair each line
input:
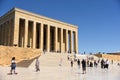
[26,63]
[52,59]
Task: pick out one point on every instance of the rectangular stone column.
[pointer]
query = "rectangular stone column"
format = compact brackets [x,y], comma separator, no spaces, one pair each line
[6,41]
[9,32]
[61,41]
[56,39]
[26,34]
[48,38]
[41,37]
[3,40]
[71,42]
[76,41]
[0,33]
[16,30]
[4,33]
[66,42]
[34,35]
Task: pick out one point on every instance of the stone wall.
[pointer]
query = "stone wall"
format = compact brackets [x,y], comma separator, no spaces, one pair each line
[6,53]
[109,56]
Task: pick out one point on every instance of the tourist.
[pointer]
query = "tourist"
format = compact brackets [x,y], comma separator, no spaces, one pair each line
[71,63]
[60,64]
[91,64]
[84,66]
[88,63]
[102,63]
[78,62]
[107,63]
[111,61]
[44,51]
[13,65]
[98,60]
[118,64]
[68,57]
[37,65]
[75,57]
[95,63]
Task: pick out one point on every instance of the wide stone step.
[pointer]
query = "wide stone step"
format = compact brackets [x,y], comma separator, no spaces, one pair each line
[52,59]
[25,63]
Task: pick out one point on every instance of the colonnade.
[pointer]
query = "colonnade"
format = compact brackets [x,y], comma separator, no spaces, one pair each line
[33,34]
[6,33]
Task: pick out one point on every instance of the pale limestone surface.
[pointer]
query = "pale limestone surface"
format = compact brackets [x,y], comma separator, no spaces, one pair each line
[62,73]
[50,70]
[6,53]
[25,24]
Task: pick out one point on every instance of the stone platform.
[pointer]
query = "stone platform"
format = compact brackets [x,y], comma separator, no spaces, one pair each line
[62,73]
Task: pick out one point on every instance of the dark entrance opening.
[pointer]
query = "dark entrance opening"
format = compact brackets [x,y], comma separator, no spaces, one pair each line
[38,35]
[52,34]
[30,34]
[21,32]
[44,37]
[69,51]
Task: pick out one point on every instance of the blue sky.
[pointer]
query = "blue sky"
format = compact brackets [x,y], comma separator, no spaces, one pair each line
[98,21]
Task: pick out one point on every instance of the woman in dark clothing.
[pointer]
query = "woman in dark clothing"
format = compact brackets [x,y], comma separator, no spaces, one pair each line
[78,62]
[71,63]
[84,66]
[91,64]
[102,63]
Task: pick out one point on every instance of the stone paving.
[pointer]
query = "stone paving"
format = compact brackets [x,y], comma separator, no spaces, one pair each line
[62,73]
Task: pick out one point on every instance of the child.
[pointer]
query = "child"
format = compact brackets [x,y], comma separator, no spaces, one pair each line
[13,65]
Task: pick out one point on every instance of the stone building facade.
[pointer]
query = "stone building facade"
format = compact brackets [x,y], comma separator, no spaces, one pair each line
[21,28]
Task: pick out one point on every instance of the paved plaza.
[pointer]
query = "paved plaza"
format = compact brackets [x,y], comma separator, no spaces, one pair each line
[62,73]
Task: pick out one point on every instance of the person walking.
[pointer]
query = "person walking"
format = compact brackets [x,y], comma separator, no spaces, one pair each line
[107,63]
[102,63]
[78,62]
[71,63]
[88,63]
[95,63]
[84,66]
[111,61]
[60,64]
[13,66]
[37,65]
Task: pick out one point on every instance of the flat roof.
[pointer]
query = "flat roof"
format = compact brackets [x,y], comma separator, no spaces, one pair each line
[36,15]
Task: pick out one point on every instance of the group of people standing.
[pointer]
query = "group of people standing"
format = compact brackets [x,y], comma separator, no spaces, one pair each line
[83,62]
[104,64]
[90,63]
